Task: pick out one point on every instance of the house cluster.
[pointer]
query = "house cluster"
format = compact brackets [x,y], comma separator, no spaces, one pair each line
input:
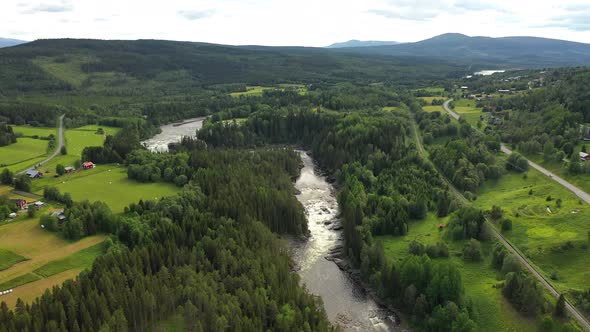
[35,174]
[22,204]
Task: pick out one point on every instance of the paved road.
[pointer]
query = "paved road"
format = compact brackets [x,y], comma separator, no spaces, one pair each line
[580,193]
[60,138]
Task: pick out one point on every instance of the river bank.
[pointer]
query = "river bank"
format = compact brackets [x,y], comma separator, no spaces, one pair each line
[322,265]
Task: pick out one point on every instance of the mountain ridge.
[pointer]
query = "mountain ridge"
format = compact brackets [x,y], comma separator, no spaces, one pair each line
[8,42]
[361,43]
[514,51]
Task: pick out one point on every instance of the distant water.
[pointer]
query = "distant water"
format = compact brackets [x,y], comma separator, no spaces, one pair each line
[488,72]
[173,133]
[345,301]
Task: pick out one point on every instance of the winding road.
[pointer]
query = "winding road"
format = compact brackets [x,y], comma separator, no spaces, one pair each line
[60,144]
[523,260]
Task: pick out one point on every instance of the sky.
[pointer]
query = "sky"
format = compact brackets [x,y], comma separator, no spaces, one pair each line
[293,22]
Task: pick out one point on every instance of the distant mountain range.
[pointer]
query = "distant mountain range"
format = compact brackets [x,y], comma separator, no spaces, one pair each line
[361,43]
[6,42]
[505,51]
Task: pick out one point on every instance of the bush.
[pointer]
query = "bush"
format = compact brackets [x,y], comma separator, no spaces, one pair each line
[496,212]
[63,150]
[23,183]
[558,202]
[472,251]
[517,163]
[49,223]
[437,250]
[416,248]
[506,225]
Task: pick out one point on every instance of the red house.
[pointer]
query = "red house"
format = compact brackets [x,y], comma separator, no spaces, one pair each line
[88,165]
[21,203]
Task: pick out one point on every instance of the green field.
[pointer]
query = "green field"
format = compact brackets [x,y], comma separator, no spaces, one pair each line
[258,90]
[494,313]
[19,281]
[433,91]
[69,71]
[435,108]
[467,110]
[107,183]
[76,140]
[541,229]
[27,151]
[81,259]
[9,258]
[24,153]
[44,251]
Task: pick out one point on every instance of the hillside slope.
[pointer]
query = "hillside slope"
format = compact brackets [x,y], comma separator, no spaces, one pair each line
[116,66]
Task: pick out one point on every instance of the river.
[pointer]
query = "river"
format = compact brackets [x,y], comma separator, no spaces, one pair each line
[345,301]
[173,133]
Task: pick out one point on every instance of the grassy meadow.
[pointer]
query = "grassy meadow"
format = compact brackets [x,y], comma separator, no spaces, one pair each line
[107,183]
[258,90]
[493,312]
[553,235]
[27,151]
[35,254]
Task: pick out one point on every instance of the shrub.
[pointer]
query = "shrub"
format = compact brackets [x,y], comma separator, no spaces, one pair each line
[472,251]
[416,248]
[506,225]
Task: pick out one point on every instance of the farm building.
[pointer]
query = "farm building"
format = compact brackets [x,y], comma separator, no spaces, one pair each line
[584,156]
[69,169]
[12,215]
[34,174]
[38,204]
[21,203]
[59,215]
[88,165]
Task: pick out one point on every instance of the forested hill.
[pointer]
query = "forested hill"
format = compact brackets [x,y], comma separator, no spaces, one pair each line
[91,65]
[505,51]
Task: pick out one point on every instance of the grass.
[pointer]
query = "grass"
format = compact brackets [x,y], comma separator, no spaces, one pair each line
[9,258]
[107,183]
[434,108]
[19,281]
[433,91]
[258,90]
[47,252]
[69,71]
[23,153]
[80,260]
[494,313]
[26,151]
[172,324]
[541,230]
[33,289]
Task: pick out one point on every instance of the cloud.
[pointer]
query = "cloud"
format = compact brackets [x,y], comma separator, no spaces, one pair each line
[575,17]
[49,8]
[478,6]
[403,14]
[193,15]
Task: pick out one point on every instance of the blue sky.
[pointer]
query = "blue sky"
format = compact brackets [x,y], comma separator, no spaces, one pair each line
[300,22]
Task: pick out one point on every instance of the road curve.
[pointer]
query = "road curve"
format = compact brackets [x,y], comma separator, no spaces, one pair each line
[57,151]
[580,193]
